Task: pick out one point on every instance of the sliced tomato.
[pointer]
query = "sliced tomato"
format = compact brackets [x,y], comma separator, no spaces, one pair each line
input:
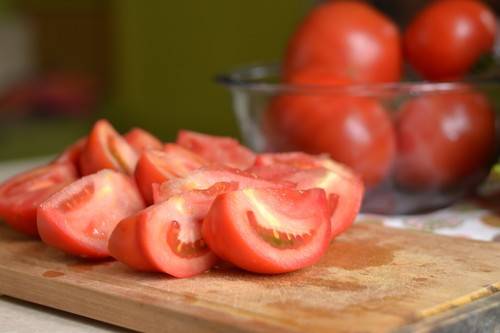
[204,178]
[269,230]
[217,149]
[106,149]
[155,166]
[22,194]
[72,153]
[80,218]
[166,237]
[141,140]
[345,189]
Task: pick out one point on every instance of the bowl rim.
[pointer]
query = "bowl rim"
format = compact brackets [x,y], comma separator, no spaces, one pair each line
[244,78]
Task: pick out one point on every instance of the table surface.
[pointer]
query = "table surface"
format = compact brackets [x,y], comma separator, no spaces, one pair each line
[463,220]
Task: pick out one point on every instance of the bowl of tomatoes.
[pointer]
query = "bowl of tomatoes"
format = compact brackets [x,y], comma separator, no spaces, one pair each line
[421,138]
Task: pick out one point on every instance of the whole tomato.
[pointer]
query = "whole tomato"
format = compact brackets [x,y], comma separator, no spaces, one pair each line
[448,37]
[347,40]
[443,138]
[353,130]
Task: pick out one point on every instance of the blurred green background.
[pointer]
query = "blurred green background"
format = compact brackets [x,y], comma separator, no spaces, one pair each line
[154,62]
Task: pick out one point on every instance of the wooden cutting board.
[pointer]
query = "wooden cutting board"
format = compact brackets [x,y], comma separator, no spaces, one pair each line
[373,279]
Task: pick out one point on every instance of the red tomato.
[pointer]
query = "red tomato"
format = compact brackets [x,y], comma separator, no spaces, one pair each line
[448,37]
[348,40]
[156,166]
[217,149]
[72,153]
[205,178]
[269,230]
[142,140]
[80,218]
[166,237]
[106,149]
[22,194]
[444,138]
[356,131]
[344,189]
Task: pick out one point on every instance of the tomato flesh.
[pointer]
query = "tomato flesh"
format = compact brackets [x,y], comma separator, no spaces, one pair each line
[269,230]
[166,237]
[72,153]
[141,140]
[156,166]
[217,149]
[80,217]
[206,177]
[22,194]
[343,188]
[106,149]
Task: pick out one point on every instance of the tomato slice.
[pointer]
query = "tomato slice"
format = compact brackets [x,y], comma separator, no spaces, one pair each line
[106,149]
[206,177]
[22,194]
[79,218]
[269,230]
[72,153]
[217,149]
[141,140]
[345,190]
[156,166]
[166,237]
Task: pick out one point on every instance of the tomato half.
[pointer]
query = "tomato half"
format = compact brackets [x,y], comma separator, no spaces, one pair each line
[80,218]
[348,40]
[20,195]
[356,131]
[155,166]
[343,188]
[448,37]
[269,230]
[166,237]
[72,153]
[106,149]
[217,149]
[141,140]
[443,139]
[206,177]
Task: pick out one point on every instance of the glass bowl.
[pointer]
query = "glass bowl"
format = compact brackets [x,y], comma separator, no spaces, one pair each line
[418,146]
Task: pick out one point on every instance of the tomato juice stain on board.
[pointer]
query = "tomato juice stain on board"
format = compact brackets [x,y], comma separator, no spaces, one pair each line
[52,274]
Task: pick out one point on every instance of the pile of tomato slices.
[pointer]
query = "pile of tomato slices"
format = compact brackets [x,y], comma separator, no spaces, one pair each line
[180,207]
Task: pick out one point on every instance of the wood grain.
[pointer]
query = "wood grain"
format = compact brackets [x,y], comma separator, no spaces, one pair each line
[373,279]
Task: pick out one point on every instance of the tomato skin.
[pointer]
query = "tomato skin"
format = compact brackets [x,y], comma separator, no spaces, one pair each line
[156,167]
[106,149]
[229,233]
[141,140]
[80,217]
[343,187]
[217,149]
[447,38]
[348,40]
[72,153]
[355,131]
[443,138]
[18,203]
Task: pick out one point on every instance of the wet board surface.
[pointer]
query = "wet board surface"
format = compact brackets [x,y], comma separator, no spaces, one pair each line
[373,279]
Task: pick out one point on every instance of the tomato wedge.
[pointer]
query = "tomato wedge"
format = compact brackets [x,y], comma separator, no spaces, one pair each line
[217,149]
[72,153]
[22,194]
[141,140]
[344,189]
[106,149]
[269,230]
[166,237]
[79,218]
[206,177]
[156,166]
